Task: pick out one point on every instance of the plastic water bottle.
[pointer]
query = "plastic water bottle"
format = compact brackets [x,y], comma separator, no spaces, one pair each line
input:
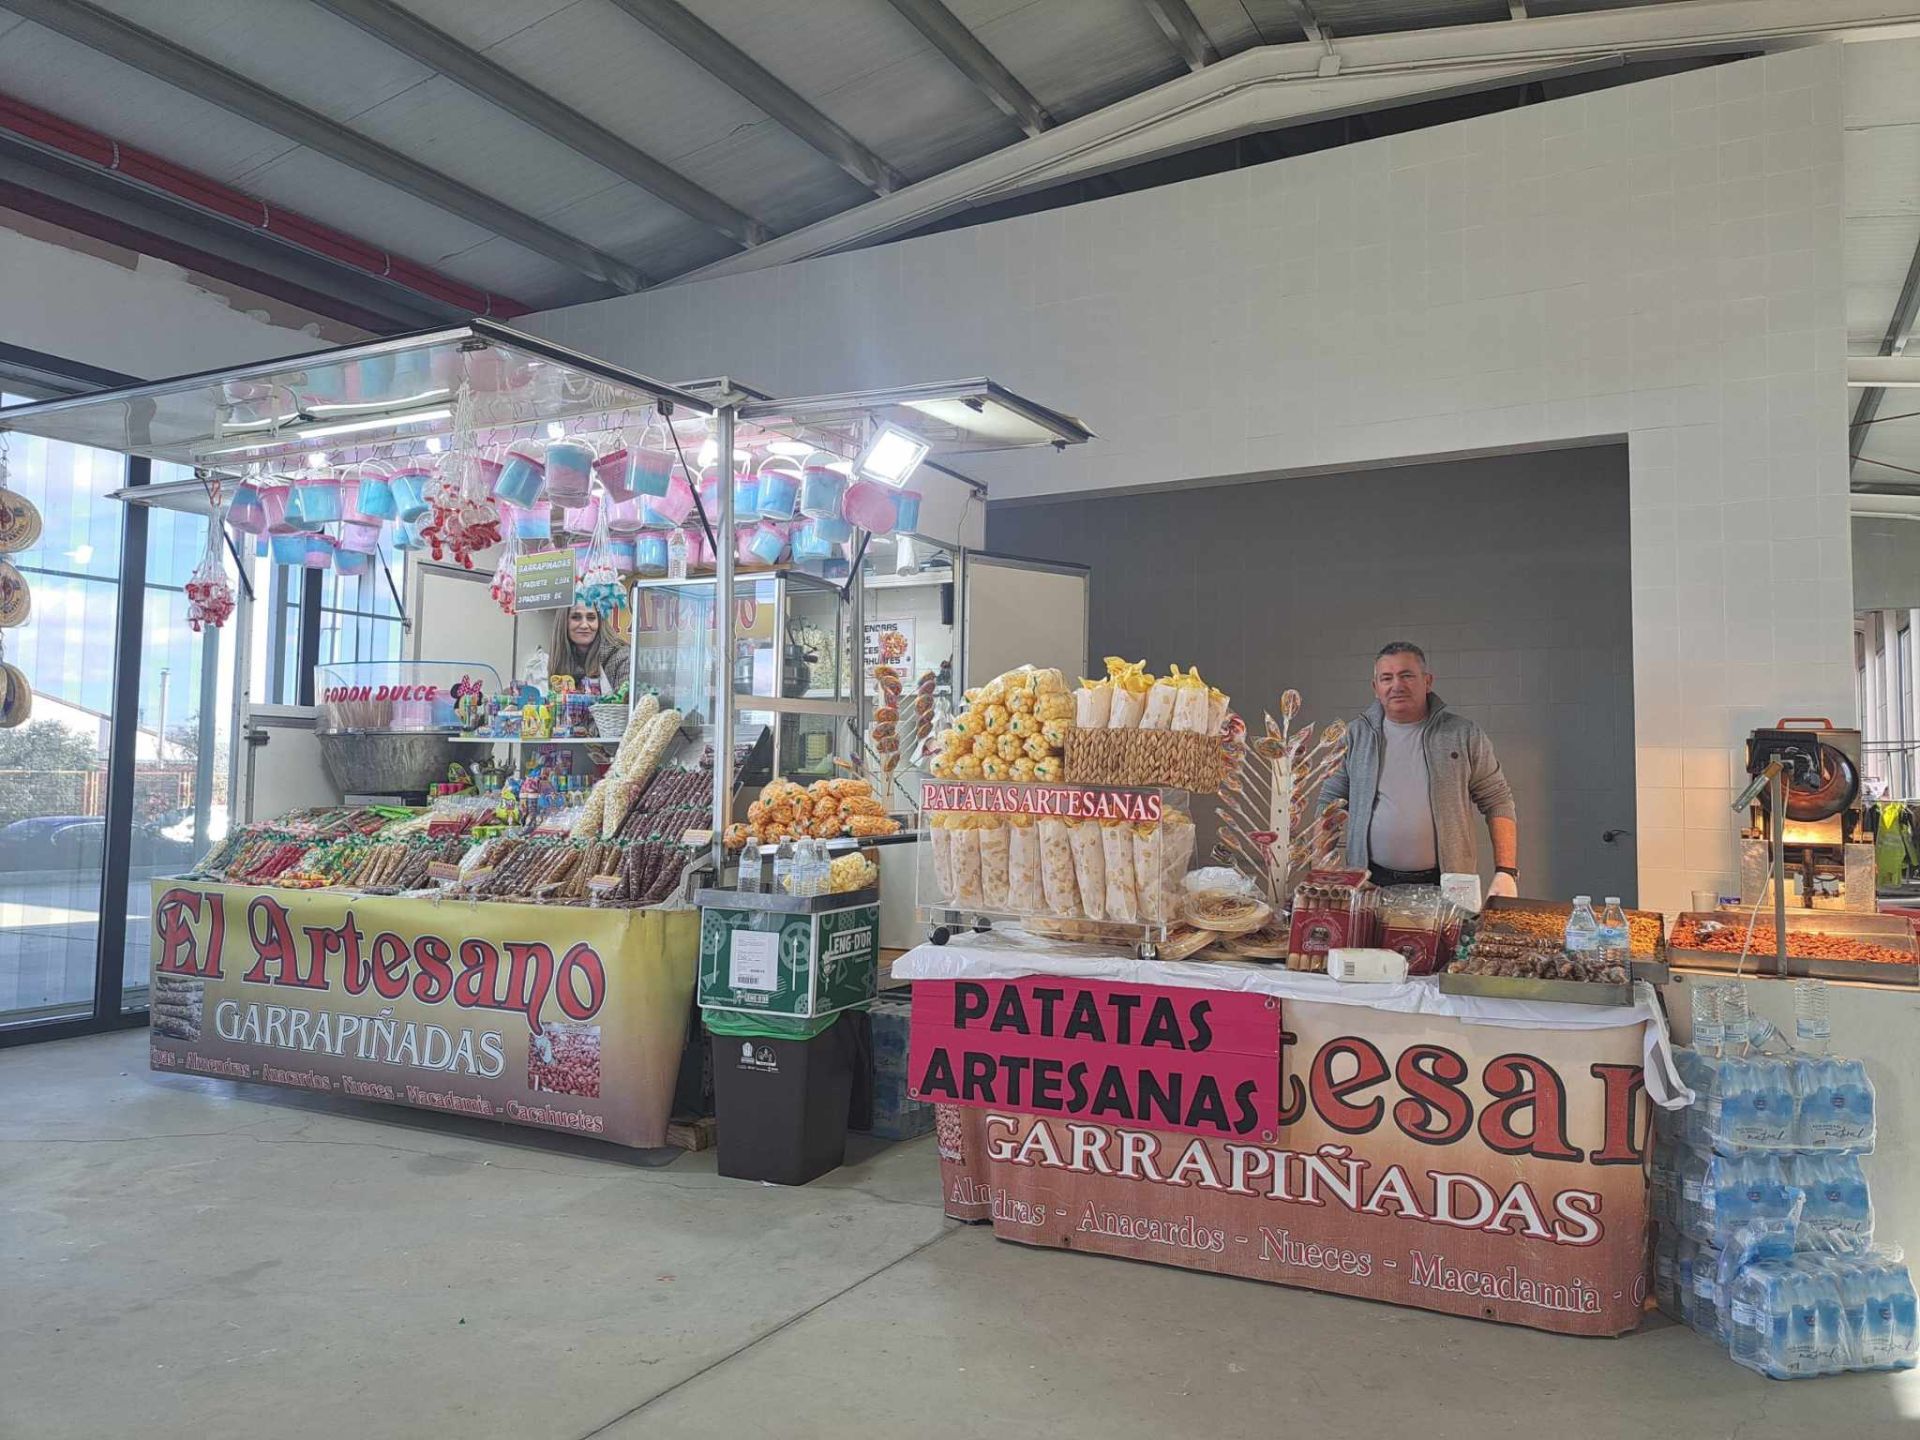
[783,868]
[1666,1272]
[1709,1029]
[1852,1127]
[1856,1279]
[1903,1324]
[1583,931]
[1812,1025]
[750,868]
[1616,941]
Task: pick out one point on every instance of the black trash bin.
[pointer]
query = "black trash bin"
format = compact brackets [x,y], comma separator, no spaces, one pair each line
[781,1105]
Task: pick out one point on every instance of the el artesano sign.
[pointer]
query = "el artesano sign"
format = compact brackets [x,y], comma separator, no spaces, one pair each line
[1468,1168]
[567,1019]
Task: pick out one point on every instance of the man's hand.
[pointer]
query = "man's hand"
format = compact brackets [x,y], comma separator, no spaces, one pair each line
[1504,886]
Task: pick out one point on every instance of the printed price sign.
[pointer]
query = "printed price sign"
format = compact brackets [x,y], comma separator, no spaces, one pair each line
[887,642]
[753,961]
[543,580]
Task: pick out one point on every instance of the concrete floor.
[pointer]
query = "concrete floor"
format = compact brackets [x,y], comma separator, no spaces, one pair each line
[187,1258]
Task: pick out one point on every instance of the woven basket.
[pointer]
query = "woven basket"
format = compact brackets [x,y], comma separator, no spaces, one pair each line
[1177,759]
[611,721]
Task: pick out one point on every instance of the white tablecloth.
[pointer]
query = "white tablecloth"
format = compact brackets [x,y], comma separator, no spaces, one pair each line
[1008,955]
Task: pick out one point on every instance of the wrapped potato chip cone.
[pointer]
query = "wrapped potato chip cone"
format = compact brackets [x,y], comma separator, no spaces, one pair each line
[1057,884]
[942,841]
[1148,852]
[1192,707]
[1089,868]
[965,862]
[995,865]
[1219,705]
[1023,866]
[1127,708]
[1157,713]
[1123,898]
[1093,704]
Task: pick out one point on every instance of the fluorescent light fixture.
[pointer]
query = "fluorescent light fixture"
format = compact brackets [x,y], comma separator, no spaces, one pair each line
[384,422]
[556,431]
[316,459]
[892,456]
[320,409]
[709,453]
[798,449]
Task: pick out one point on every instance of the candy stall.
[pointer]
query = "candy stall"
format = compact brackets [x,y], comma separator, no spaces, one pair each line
[482,901]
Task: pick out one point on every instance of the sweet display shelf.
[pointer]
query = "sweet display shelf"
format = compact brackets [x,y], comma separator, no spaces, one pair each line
[521,740]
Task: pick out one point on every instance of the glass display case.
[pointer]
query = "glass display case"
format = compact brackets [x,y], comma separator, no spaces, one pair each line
[791,668]
[387,727]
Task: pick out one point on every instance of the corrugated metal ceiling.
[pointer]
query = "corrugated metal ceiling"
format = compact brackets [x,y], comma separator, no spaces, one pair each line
[860,63]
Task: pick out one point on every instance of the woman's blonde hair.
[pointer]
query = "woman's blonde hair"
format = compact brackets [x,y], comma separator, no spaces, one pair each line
[568,659]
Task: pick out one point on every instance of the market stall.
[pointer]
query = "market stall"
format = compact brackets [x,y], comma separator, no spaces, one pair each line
[658,653]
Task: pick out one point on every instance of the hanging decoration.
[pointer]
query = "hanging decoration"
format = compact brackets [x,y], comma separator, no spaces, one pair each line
[599,584]
[209,591]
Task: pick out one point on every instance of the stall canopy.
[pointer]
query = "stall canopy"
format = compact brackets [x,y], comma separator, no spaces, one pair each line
[400,391]
[954,418]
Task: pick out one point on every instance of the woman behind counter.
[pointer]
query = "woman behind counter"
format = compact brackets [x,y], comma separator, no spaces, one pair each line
[584,647]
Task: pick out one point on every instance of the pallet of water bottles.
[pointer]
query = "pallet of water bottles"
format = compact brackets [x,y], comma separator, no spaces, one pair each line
[1765,1219]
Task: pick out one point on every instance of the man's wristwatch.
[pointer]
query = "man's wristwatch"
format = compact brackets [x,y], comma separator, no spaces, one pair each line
[1506,870]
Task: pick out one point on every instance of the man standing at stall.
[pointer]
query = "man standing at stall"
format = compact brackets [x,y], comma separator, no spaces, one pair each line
[1413,772]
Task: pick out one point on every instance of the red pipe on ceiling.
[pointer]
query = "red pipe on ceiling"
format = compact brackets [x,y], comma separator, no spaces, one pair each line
[52,132]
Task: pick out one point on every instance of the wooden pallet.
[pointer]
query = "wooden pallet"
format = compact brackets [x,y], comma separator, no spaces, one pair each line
[693,1134]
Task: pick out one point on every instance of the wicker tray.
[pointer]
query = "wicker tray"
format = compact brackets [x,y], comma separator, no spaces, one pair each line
[1176,759]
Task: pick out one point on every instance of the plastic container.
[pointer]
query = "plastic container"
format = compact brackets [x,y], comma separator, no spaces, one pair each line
[744,537]
[289,549]
[769,542]
[809,543]
[833,530]
[373,494]
[580,519]
[359,537]
[671,508]
[907,502]
[247,513]
[746,496]
[612,469]
[779,488]
[406,536]
[534,524]
[320,550]
[569,472]
[650,553]
[352,562]
[710,492]
[821,491]
[781,1104]
[273,503]
[522,477]
[409,484]
[316,500]
[871,506]
[625,556]
[651,469]
[624,517]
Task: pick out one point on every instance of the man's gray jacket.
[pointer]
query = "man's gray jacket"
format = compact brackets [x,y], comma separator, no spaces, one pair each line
[1462,775]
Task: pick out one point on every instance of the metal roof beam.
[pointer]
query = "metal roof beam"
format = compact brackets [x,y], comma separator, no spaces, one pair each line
[1906,311]
[497,85]
[746,77]
[93,202]
[161,58]
[966,54]
[1308,22]
[1180,25]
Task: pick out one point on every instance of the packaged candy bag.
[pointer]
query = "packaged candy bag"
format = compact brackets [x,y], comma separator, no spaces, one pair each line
[1056,868]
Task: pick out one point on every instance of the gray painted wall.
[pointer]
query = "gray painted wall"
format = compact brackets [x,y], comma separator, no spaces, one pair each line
[1886,564]
[1512,572]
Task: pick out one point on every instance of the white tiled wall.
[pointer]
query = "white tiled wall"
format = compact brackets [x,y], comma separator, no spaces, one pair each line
[1660,260]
